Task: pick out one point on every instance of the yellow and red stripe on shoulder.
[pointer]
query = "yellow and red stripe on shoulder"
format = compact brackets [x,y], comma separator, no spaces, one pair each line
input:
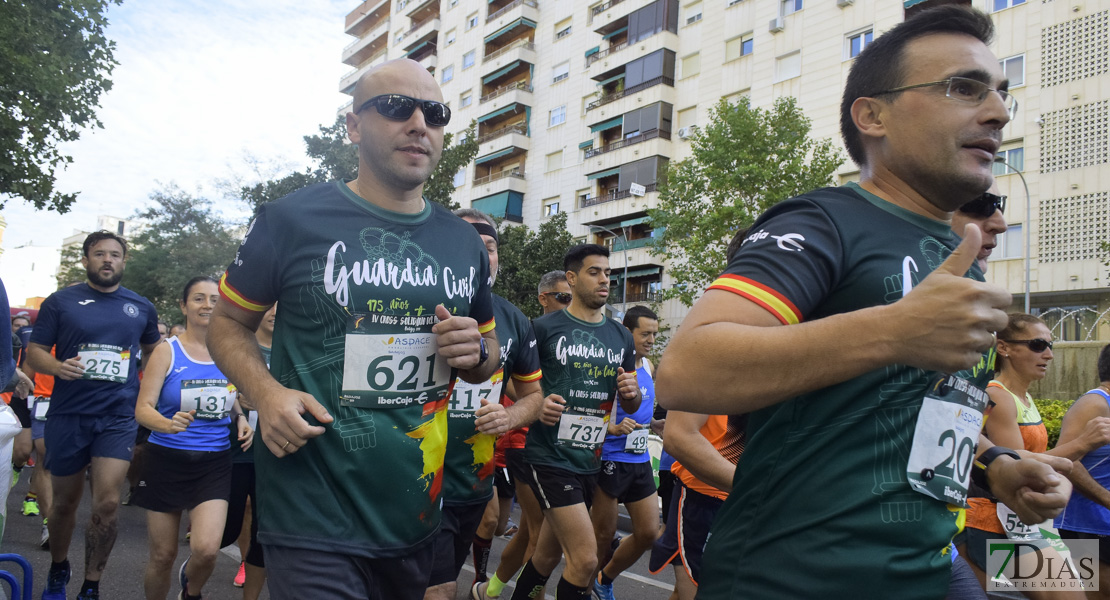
[534,376]
[775,303]
[486,327]
[232,295]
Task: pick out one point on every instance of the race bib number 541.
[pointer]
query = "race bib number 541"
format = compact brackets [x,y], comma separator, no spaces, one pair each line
[945,438]
[391,370]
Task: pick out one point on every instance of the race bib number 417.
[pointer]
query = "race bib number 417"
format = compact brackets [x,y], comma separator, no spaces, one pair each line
[945,438]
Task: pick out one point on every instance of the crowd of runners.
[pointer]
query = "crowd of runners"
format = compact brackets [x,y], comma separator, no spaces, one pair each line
[353,353]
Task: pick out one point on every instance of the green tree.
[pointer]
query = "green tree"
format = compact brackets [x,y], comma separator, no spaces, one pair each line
[525,255]
[455,156]
[745,161]
[54,66]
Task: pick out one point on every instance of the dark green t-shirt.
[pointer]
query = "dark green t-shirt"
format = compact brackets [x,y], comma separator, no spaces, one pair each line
[821,504]
[469,464]
[580,362]
[358,287]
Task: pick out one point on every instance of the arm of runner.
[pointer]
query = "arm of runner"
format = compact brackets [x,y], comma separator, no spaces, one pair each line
[553,406]
[684,441]
[625,427]
[150,388]
[1001,427]
[40,359]
[1083,483]
[1033,486]
[242,426]
[148,349]
[628,389]
[1085,427]
[457,338]
[944,324]
[495,418]
[280,410]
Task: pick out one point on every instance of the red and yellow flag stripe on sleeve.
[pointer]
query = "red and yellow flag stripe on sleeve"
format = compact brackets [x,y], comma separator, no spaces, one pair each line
[534,376]
[774,302]
[486,327]
[232,295]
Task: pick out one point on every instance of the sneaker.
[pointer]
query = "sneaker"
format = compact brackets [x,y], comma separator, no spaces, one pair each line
[603,592]
[30,507]
[183,579]
[56,581]
[89,595]
[510,530]
[44,543]
[240,576]
[478,591]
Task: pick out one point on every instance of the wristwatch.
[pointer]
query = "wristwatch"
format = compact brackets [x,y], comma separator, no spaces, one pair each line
[483,353]
[979,467]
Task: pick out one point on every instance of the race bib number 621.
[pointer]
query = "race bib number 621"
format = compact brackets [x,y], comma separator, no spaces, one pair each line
[945,438]
[391,370]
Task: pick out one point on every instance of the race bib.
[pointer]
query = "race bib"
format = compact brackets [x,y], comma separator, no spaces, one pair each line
[637,441]
[41,406]
[945,438]
[467,397]
[392,370]
[1013,526]
[211,398]
[104,362]
[581,431]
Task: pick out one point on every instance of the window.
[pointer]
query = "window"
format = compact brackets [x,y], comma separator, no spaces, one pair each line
[734,98]
[1014,157]
[691,65]
[738,46]
[558,116]
[560,72]
[734,2]
[459,178]
[693,12]
[859,41]
[452,4]
[472,21]
[583,196]
[450,38]
[790,7]
[787,67]
[1014,68]
[400,36]
[1004,4]
[466,99]
[562,29]
[688,117]
[448,73]
[1010,244]
[468,60]
[554,161]
[551,207]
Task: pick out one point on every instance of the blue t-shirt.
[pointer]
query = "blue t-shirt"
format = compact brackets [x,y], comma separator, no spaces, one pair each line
[632,448]
[200,386]
[107,329]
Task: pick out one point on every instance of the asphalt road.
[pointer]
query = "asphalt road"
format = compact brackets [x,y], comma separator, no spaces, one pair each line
[123,577]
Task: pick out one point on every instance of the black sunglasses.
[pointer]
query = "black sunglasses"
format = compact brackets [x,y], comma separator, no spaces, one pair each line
[399,108]
[1036,345]
[985,205]
[561,297]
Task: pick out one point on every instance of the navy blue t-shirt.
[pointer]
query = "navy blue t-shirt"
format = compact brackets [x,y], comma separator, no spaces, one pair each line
[107,330]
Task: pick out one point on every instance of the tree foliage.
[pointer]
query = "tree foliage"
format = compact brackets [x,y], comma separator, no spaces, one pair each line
[745,161]
[441,184]
[525,255]
[54,65]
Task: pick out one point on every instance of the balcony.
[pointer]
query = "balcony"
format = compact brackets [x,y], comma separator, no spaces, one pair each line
[615,57]
[365,17]
[614,196]
[643,297]
[630,141]
[347,84]
[521,50]
[516,129]
[420,33]
[612,10]
[610,98]
[503,181]
[517,173]
[511,9]
[358,51]
[618,152]
[428,62]
[521,87]
[418,10]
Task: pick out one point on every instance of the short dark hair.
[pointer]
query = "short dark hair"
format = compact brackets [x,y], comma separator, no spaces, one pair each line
[96,237]
[574,257]
[634,314]
[193,282]
[549,279]
[879,67]
[1104,364]
[735,243]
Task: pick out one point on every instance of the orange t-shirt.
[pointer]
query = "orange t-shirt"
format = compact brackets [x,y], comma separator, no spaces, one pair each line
[728,435]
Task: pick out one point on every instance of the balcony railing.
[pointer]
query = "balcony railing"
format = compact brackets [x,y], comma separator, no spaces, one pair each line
[591,59]
[521,128]
[418,26]
[520,85]
[602,101]
[517,173]
[644,296]
[616,195]
[371,29]
[527,45]
[597,10]
[619,244]
[650,134]
[511,6]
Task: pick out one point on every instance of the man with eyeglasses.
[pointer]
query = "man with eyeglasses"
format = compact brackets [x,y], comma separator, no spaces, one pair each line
[385,299]
[859,350]
[554,291]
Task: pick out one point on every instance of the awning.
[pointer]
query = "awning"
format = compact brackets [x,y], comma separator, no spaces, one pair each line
[493,156]
[605,125]
[500,72]
[510,27]
[419,48]
[640,272]
[605,173]
[611,79]
[615,32]
[510,108]
[637,221]
[503,205]
[593,51]
[909,3]
[585,144]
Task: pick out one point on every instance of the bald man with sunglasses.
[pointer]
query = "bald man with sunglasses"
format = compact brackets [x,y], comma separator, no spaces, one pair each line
[385,299]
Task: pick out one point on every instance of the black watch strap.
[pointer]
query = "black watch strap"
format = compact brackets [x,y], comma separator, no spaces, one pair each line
[979,467]
[483,353]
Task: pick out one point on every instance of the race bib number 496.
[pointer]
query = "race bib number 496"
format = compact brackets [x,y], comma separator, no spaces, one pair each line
[945,438]
[391,370]
[104,362]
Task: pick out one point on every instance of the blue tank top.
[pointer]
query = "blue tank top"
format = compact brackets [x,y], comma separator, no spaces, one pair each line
[199,386]
[633,448]
[1083,514]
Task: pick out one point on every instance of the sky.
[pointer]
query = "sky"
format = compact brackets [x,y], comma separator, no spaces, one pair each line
[201,85]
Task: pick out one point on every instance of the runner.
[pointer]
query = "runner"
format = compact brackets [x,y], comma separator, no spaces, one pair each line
[587,360]
[475,418]
[189,406]
[626,475]
[98,330]
[877,308]
[40,488]
[385,297]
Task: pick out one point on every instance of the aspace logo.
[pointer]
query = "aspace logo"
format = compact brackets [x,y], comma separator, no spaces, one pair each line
[1042,564]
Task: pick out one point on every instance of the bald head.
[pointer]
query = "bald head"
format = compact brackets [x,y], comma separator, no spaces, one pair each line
[398,76]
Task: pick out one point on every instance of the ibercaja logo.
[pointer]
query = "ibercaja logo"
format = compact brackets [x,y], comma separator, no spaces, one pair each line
[1042,564]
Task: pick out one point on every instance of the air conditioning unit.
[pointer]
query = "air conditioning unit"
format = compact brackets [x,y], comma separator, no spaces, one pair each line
[684,133]
[844,3]
[776,25]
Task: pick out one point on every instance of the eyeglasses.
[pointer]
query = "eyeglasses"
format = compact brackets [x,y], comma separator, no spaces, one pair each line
[1036,345]
[963,89]
[560,297]
[985,205]
[399,108]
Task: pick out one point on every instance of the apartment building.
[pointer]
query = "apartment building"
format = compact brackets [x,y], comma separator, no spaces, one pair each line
[582,104]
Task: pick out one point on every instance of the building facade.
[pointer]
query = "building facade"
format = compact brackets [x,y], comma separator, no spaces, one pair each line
[582,104]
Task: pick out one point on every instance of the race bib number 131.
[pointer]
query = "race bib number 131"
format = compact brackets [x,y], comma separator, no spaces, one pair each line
[945,438]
